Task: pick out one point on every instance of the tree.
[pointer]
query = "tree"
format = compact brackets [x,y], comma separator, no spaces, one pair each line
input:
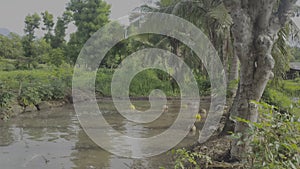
[89,16]
[17,45]
[32,22]
[60,30]
[42,49]
[11,46]
[48,23]
[212,18]
[56,57]
[255,29]
[257,24]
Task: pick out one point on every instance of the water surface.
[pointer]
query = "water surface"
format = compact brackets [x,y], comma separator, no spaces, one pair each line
[54,139]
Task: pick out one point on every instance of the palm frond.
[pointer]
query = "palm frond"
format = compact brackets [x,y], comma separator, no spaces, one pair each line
[281,53]
[221,15]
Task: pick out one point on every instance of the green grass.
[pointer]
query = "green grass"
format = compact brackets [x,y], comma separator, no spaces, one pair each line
[284,96]
[13,78]
[292,87]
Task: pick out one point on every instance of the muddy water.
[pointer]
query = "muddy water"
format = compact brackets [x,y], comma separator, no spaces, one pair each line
[54,139]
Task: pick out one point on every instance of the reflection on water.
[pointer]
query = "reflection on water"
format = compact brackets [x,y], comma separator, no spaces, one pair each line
[54,139]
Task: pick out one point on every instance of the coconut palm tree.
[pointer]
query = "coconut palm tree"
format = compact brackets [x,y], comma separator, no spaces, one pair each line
[211,17]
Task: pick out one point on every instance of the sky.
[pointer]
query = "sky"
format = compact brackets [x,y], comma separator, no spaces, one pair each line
[13,12]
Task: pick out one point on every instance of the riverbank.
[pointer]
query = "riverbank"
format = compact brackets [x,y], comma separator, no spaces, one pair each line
[27,88]
[16,109]
[22,90]
[30,88]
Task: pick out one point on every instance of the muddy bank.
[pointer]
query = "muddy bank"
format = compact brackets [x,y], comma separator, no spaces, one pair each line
[16,109]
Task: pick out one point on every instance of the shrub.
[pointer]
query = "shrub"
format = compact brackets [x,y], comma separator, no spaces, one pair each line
[57,90]
[39,85]
[6,65]
[30,96]
[6,100]
[275,97]
[144,82]
[285,96]
[276,140]
[203,85]
[103,82]
[5,95]
[141,85]
[190,160]
[291,87]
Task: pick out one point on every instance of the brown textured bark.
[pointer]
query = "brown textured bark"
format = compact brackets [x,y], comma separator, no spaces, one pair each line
[254,31]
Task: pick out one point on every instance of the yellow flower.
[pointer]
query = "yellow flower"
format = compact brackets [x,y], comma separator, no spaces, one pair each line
[198,117]
[132,107]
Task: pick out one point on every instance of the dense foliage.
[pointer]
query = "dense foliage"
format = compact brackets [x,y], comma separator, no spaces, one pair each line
[31,87]
[285,96]
[276,140]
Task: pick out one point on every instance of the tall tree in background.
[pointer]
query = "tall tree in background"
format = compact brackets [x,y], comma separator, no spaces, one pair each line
[32,22]
[255,29]
[89,16]
[212,18]
[58,39]
[48,23]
